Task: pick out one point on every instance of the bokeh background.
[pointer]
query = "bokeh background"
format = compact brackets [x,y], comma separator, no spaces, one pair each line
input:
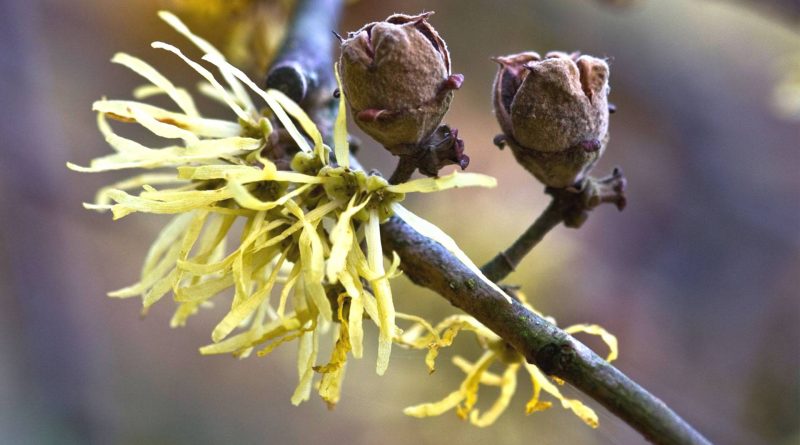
[698,277]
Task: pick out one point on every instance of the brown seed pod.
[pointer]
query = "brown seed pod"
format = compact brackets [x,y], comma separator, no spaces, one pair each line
[396,77]
[553,112]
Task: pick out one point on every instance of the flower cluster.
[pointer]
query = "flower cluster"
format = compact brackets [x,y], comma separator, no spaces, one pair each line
[422,335]
[308,260]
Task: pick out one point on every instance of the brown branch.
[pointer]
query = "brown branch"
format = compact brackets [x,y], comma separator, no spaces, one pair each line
[569,206]
[555,352]
[406,165]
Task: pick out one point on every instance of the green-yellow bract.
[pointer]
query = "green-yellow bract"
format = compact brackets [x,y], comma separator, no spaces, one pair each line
[308,262]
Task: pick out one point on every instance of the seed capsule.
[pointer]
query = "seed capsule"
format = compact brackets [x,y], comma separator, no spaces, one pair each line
[396,77]
[554,113]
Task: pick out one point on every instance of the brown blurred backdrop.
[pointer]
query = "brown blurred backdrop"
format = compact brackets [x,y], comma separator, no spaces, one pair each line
[698,277]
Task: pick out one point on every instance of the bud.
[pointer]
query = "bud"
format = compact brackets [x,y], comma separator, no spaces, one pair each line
[554,113]
[396,76]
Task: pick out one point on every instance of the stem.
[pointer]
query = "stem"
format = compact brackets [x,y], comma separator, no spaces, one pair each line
[305,64]
[555,352]
[570,206]
[505,262]
[405,168]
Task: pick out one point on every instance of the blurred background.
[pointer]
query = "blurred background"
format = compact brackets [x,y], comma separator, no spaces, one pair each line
[698,277]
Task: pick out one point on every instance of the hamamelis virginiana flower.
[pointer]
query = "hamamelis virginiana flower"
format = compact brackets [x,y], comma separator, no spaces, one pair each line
[496,351]
[298,271]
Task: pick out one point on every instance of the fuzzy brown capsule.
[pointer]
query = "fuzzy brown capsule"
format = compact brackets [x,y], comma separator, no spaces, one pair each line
[396,78]
[554,113]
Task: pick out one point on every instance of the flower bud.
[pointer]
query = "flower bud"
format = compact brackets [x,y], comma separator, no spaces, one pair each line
[396,76]
[554,113]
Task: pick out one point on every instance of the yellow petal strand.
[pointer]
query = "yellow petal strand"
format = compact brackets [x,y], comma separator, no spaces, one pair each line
[355,319]
[300,115]
[582,411]
[593,329]
[180,202]
[330,386]
[287,176]
[306,356]
[341,147]
[159,289]
[311,216]
[242,267]
[470,385]
[208,48]
[246,199]
[342,237]
[208,90]
[244,309]
[436,408]
[179,96]
[274,345]
[453,180]
[224,66]
[148,91]
[211,148]
[219,90]
[431,231]
[534,404]
[487,378]
[149,279]
[290,282]
[333,373]
[200,126]
[203,291]
[370,305]
[359,261]
[507,388]
[165,240]
[167,131]
[250,337]
[312,261]
[382,291]
[182,314]
[101,198]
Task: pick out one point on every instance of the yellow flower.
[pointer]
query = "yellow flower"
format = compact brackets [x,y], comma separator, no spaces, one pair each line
[422,335]
[303,228]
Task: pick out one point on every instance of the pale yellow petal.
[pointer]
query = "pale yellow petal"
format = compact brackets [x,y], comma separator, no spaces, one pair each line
[593,329]
[507,389]
[294,110]
[161,129]
[582,411]
[238,313]
[225,67]
[203,127]
[208,48]
[436,408]
[342,237]
[382,291]
[453,180]
[179,96]
[470,385]
[306,356]
[212,81]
